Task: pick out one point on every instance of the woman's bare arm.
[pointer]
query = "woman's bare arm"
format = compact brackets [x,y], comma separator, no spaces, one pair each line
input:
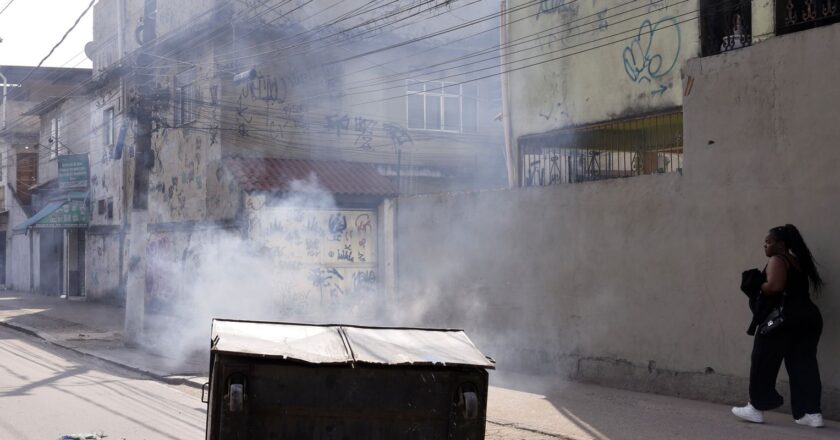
[776,277]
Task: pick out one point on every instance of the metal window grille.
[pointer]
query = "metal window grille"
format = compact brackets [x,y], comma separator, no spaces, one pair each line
[725,26]
[798,15]
[648,145]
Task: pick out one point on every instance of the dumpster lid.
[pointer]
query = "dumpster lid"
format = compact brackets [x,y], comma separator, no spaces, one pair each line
[345,344]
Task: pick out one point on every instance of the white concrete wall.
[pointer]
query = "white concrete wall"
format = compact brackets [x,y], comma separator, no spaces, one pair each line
[102,267]
[75,136]
[426,16]
[17,262]
[635,282]
[596,60]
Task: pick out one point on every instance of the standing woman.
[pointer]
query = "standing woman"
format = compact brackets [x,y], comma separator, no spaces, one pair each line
[789,271]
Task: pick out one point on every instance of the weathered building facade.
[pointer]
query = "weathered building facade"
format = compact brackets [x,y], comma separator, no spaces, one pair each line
[236,90]
[595,90]
[633,283]
[43,243]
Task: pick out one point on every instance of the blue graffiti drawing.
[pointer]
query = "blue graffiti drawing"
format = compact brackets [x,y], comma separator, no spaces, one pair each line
[338,224]
[653,54]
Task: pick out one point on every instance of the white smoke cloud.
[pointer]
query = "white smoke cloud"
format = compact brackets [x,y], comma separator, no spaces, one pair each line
[227,275]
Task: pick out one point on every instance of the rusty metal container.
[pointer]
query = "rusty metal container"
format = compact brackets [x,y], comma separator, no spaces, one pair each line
[298,381]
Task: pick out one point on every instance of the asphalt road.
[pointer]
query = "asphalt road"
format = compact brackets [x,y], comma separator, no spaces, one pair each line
[46,392]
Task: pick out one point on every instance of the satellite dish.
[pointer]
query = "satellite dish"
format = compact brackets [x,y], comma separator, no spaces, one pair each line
[90,47]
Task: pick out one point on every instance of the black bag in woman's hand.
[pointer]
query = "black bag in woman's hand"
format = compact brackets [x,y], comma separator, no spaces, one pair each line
[774,320]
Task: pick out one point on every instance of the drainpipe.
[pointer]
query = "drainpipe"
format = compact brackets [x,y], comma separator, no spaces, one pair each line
[510,158]
[5,87]
[120,28]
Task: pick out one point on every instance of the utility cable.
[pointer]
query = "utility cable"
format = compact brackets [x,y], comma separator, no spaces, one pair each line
[6,7]
[60,41]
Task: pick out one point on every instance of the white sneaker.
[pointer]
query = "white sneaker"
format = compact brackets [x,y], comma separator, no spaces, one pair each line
[750,414]
[812,420]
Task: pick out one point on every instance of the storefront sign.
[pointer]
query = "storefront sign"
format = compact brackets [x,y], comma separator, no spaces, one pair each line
[73,172]
[72,214]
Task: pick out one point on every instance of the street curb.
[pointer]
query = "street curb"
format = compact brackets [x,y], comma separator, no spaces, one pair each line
[535,431]
[186,382]
[150,374]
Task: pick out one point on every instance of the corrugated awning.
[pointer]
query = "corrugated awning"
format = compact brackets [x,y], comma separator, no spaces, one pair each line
[342,344]
[277,175]
[68,211]
[657,132]
[45,212]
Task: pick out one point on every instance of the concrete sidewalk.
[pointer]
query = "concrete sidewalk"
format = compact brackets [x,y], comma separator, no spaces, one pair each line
[520,407]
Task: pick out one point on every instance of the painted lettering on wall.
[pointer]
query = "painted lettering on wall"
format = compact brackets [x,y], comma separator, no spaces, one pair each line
[397,133]
[364,129]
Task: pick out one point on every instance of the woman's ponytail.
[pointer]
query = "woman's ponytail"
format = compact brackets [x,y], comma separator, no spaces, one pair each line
[796,245]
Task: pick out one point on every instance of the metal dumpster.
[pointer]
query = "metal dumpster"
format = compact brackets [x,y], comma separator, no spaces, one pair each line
[297,381]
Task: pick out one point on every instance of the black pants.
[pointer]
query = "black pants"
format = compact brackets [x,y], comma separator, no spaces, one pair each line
[796,344]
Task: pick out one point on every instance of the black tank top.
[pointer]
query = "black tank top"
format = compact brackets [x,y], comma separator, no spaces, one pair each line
[797,300]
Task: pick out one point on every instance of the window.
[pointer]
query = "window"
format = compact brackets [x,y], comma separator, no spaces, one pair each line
[725,27]
[108,127]
[799,15]
[443,106]
[55,137]
[631,147]
[100,207]
[185,98]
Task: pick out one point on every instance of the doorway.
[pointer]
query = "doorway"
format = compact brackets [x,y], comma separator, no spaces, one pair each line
[51,249]
[75,251]
[2,258]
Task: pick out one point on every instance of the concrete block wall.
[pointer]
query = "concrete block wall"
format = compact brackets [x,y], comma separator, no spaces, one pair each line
[635,282]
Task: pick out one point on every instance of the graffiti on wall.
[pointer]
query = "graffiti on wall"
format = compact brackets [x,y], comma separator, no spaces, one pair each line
[602,24]
[397,134]
[557,7]
[263,106]
[335,247]
[103,272]
[654,52]
[364,131]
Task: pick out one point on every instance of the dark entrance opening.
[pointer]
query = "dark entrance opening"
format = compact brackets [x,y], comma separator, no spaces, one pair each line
[76,262]
[51,267]
[3,258]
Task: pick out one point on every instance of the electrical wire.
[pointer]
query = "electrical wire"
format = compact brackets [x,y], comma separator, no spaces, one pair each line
[59,41]
[531,65]
[6,7]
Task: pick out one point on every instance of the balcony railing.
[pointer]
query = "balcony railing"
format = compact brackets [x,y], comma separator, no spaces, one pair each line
[798,15]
